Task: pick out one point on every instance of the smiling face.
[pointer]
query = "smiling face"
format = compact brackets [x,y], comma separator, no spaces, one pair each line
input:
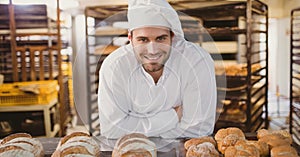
[152,46]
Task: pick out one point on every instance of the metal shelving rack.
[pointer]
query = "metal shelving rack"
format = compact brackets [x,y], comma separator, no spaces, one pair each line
[247,23]
[30,45]
[94,17]
[295,76]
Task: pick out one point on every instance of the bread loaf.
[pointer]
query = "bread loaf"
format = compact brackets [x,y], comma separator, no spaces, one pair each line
[201,147]
[228,137]
[77,144]
[263,132]
[205,149]
[263,147]
[284,151]
[196,141]
[242,148]
[14,151]
[21,144]
[134,145]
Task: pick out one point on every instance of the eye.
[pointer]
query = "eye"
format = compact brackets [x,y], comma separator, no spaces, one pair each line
[161,38]
[142,40]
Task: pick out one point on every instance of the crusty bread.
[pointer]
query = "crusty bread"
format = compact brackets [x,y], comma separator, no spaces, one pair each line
[22,143]
[229,140]
[13,136]
[196,141]
[136,145]
[205,149]
[67,137]
[14,151]
[274,140]
[137,153]
[263,147]
[222,133]
[241,148]
[263,132]
[77,144]
[284,151]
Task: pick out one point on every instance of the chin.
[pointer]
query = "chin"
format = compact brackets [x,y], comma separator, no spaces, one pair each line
[153,67]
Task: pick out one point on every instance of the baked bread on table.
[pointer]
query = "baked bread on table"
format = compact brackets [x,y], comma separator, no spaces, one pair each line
[228,137]
[284,151]
[242,148]
[201,147]
[134,145]
[279,142]
[77,144]
[21,144]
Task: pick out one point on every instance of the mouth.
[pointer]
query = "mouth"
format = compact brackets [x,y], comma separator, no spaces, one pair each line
[153,58]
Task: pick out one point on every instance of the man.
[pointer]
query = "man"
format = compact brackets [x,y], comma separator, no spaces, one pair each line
[160,84]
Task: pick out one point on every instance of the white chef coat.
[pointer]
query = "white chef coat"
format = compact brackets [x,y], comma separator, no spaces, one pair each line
[129,100]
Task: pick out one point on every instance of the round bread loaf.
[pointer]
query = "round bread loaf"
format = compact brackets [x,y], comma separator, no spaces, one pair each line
[274,140]
[13,136]
[134,145]
[23,143]
[14,151]
[263,147]
[77,144]
[284,151]
[241,148]
[205,149]
[222,133]
[196,141]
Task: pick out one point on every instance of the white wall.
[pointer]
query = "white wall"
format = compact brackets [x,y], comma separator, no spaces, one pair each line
[279,44]
[283,56]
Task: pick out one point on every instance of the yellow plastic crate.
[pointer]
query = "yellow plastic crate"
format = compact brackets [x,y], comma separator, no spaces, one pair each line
[43,87]
[10,94]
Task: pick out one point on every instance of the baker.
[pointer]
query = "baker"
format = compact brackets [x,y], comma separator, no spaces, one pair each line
[159,84]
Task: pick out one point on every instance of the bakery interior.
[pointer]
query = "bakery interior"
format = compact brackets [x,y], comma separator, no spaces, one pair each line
[51,52]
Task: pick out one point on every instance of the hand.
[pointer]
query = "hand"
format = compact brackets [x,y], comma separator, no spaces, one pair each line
[178,110]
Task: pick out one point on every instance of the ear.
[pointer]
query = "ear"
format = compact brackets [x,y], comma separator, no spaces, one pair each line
[129,35]
[172,34]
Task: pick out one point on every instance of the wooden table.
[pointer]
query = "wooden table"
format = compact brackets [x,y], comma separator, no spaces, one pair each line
[45,108]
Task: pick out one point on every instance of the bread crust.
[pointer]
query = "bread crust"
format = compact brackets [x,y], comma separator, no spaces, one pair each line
[77,144]
[134,144]
[13,136]
[241,148]
[196,141]
[67,137]
[284,151]
[222,133]
[205,149]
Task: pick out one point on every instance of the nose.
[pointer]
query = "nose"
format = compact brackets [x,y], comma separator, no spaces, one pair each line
[152,48]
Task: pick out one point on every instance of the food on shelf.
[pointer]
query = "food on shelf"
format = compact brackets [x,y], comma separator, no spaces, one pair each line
[134,145]
[109,30]
[77,144]
[105,49]
[21,144]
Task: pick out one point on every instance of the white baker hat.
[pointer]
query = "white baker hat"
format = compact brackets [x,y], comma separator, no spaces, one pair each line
[145,13]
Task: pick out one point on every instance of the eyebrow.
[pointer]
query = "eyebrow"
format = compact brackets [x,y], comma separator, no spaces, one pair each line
[163,35]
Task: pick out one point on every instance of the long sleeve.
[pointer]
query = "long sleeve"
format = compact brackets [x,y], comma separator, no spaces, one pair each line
[198,102]
[115,109]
